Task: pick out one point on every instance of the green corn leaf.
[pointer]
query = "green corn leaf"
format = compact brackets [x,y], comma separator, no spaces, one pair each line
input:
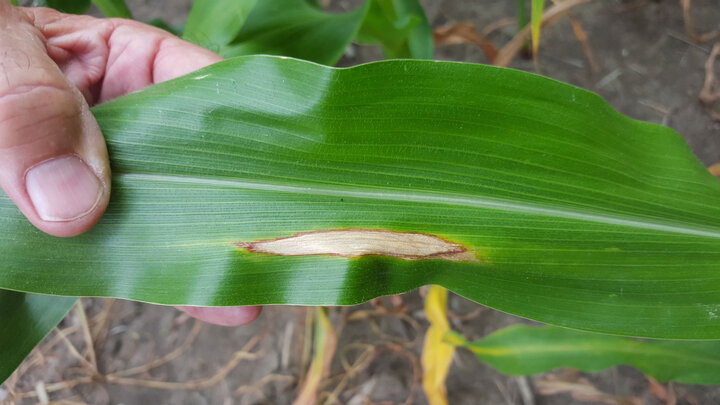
[521,13]
[538,198]
[25,320]
[66,6]
[113,8]
[400,27]
[163,25]
[215,23]
[298,29]
[525,350]
[535,21]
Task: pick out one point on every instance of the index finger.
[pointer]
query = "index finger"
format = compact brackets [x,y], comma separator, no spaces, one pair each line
[122,55]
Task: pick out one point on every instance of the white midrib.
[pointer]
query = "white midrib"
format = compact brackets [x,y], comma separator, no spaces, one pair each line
[500,205]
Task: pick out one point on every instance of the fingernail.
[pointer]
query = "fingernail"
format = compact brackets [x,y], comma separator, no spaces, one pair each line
[63,189]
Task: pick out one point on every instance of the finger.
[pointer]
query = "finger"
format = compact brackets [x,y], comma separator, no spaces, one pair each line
[53,160]
[123,55]
[165,57]
[173,58]
[130,56]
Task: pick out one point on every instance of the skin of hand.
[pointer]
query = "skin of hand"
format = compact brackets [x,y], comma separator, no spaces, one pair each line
[53,67]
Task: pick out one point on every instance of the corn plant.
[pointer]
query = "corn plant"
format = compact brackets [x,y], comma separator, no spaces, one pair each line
[276,180]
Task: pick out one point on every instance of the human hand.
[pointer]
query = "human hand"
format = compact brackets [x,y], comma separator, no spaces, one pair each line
[53,160]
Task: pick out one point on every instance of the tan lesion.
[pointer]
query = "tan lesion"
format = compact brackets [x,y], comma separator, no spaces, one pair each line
[356,242]
[715,169]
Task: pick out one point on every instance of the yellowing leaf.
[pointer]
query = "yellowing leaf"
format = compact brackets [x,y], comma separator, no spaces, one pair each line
[437,355]
[528,350]
[535,22]
[325,343]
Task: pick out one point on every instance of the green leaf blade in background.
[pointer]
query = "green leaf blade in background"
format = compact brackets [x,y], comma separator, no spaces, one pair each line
[213,24]
[113,8]
[400,27]
[26,319]
[521,13]
[296,29]
[163,25]
[578,216]
[527,350]
[303,30]
[66,6]
[535,22]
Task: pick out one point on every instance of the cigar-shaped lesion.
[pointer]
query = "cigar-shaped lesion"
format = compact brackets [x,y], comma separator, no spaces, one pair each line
[356,242]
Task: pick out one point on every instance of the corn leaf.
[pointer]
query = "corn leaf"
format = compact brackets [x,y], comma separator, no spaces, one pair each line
[554,206]
[163,25]
[66,6]
[524,350]
[296,28]
[400,27]
[113,8]
[437,355]
[25,320]
[213,24]
[324,344]
[521,13]
[315,3]
[535,21]
[302,29]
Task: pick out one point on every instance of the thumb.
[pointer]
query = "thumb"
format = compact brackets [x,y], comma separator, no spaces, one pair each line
[53,160]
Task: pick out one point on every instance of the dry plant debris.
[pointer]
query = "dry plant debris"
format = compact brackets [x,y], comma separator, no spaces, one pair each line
[666,395]
[715,169]
[581,389]
[88,372]
[690,27]
[508,52]
[466,33]
[710,93]
[583,38]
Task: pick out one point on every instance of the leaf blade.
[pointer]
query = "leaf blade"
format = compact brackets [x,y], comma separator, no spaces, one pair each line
[400,27]
[296,29]
[66,6]
[213,24]
[526,350]
[535,23]
[437,355]
[26,319]
[578,216]
[113,8]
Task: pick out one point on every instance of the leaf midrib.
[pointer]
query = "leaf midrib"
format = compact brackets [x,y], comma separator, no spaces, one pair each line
[505,205]
[618,347]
